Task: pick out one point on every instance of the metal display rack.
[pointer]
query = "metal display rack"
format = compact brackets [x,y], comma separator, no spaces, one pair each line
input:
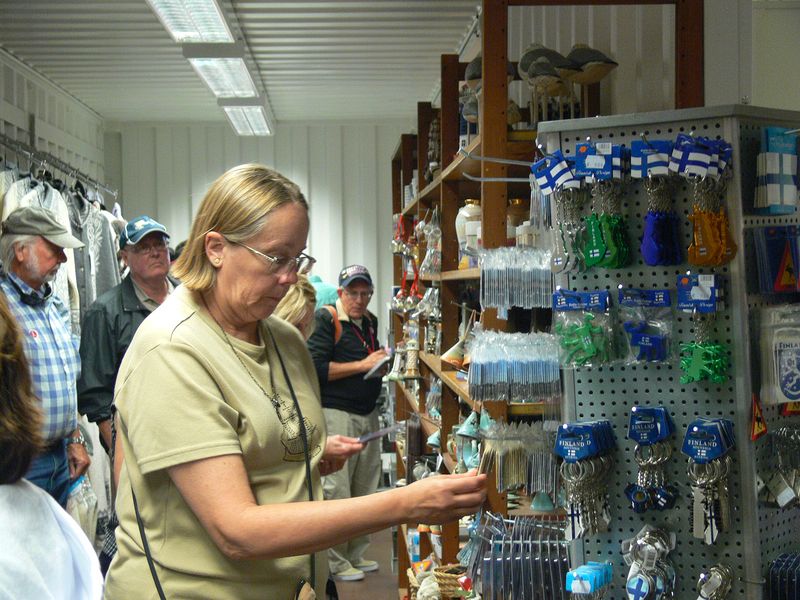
[758,533]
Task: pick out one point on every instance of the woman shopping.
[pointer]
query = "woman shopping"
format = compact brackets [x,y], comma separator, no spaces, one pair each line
[221,427]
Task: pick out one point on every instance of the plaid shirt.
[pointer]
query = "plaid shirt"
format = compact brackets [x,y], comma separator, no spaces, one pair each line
[52,352]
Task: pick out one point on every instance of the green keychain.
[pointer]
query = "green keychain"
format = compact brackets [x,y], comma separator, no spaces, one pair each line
[596,248]
[704,360]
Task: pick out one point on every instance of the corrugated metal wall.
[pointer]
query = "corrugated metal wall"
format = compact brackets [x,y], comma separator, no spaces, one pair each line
[64,127]
[344,170]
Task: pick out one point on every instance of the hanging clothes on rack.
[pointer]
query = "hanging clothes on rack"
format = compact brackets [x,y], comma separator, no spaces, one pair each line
[96,266]
[8,175]
[29,191]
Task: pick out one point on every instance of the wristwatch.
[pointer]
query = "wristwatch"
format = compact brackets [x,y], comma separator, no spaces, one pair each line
[77,440]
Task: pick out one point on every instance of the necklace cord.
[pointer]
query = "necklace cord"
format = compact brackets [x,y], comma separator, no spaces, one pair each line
[274,400]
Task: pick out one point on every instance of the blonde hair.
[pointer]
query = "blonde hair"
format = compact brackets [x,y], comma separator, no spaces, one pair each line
[236,205]
[299,299]
[20,412]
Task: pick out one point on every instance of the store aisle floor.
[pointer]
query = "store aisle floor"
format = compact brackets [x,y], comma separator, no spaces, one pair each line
[381,585]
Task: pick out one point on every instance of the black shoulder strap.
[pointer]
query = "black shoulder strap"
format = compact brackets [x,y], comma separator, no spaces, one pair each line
[303,437]
[309,485]
[146,546]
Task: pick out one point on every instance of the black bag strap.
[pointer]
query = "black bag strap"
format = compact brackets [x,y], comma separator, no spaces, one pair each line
[303,437]
[309,485]
[146,546]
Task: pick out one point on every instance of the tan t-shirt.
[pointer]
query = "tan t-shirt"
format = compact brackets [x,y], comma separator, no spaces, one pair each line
[183,395]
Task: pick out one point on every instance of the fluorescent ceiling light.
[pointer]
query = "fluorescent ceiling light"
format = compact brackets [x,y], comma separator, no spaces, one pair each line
[248,120]
[192,21]
[227,77]
[248,116]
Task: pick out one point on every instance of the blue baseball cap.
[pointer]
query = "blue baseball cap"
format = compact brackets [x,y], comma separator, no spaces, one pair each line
[349,274]
[139,227]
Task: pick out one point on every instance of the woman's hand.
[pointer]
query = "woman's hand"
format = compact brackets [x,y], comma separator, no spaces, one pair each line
[444,498]
[337,450]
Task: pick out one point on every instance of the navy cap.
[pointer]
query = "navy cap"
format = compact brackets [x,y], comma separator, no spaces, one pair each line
[139,227]
[349,274]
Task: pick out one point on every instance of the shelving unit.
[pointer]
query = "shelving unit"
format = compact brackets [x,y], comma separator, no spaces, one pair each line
[451,187]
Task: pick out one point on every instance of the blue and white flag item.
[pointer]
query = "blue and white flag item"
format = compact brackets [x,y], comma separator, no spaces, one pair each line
[776,182]
[690,157]
[601,161]
[650,158]
[776,172]
[553,172]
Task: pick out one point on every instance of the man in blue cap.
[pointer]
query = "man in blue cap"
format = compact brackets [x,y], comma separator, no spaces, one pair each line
[110,323]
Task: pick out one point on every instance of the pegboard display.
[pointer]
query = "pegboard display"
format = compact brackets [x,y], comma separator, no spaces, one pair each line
[609,392]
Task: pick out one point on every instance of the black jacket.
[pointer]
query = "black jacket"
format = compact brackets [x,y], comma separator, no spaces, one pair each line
[107,331]
[352,394]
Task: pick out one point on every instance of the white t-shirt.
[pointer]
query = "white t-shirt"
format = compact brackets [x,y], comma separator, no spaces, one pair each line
[45,554]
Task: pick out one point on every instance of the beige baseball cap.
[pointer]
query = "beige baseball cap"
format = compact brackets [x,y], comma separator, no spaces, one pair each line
[35,220]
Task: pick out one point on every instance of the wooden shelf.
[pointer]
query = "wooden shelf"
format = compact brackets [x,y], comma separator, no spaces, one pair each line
[525,409]
[449,378]
[433,362]
[460,274]
[412,402]
[515,409]
[429,426]
[411,209]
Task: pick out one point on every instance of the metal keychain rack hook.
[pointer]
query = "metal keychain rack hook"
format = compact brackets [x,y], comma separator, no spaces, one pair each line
[502,179]
[501,161]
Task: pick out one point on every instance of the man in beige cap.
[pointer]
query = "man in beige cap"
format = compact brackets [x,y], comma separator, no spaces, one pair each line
[32,246]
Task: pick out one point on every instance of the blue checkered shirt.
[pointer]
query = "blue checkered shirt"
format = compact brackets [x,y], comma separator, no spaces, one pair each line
[52,352]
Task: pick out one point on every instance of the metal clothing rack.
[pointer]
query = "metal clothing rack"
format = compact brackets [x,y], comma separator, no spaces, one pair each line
[45,160]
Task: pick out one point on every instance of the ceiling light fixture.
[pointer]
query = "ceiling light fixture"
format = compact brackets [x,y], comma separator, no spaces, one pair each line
[192,21]
[222,68]
[248,116]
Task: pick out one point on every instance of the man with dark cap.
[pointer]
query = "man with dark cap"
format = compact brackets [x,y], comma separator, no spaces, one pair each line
[32,250]
[344,346]
[110,323]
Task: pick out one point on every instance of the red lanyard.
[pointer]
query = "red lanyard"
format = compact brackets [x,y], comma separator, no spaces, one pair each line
[373,345]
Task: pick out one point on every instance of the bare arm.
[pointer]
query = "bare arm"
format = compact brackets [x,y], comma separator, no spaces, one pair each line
[342,370]
[219,494]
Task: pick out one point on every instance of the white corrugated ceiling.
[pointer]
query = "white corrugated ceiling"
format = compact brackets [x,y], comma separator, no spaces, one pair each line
[321,60]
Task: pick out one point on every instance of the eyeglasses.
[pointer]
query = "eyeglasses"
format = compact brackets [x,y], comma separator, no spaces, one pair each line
[281,265]
[357,295]
[159,246]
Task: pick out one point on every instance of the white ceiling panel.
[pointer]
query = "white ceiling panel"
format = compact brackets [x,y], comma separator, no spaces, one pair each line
[317,60]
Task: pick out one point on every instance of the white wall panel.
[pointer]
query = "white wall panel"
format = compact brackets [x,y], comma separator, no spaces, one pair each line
[64,127]
[639,38]
[776,53]
[343,169]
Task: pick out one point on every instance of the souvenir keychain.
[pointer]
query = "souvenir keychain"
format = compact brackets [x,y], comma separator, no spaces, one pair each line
[554,176]
[647,321]
[702,358]
[660,245]
[652,575]
[707,443]
[584,327]
[651,428]
[586,449]
[705,163]
[603,165]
